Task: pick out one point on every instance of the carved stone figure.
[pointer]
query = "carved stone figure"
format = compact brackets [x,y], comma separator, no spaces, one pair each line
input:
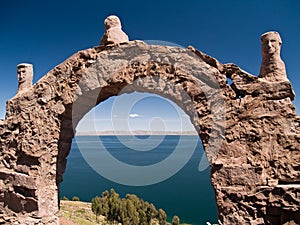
[25,76]
[113,31]
[272,67]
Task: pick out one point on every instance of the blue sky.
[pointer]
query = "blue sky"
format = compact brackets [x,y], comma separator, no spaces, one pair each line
[137,111]
[45,33]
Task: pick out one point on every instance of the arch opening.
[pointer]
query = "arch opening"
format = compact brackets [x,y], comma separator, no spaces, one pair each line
[141,145]
[186,80]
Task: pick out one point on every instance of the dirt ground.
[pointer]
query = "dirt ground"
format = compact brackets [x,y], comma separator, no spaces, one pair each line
[64,221]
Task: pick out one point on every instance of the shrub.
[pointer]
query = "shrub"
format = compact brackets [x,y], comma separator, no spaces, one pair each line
[75,198]
[175,220]
[65,198]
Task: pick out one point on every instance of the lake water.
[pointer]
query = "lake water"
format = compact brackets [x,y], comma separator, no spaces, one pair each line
[187,194]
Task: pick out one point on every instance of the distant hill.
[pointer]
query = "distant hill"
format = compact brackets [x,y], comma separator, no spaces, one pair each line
[135,132]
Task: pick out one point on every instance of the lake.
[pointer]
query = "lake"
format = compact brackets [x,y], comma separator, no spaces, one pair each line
[187,194]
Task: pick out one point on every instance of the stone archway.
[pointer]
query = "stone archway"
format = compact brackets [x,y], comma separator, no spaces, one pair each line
[249,129]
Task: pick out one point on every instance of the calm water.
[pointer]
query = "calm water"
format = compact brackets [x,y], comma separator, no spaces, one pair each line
[187,194]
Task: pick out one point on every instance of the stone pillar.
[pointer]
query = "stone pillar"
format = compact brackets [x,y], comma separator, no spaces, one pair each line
[25,76]
[113,31]
[272,67]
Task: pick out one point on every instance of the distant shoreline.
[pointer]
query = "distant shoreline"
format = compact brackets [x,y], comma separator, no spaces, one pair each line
[136,133]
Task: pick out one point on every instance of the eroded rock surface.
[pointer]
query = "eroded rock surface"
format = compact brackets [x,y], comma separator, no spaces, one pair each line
[249,129]
[113,31]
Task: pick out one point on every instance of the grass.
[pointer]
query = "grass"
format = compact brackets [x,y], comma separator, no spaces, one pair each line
[79,212]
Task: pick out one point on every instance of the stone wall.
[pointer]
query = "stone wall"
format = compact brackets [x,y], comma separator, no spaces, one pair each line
[249,129]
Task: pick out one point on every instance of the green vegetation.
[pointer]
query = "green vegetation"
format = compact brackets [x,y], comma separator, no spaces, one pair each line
[110,209]
[97,207]
[78,212]
[65,198]
[175,220]
[75,198]
[130,210]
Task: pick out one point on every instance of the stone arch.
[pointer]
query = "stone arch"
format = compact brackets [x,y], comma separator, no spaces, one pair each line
[145,75]
[148,69]
[251,123]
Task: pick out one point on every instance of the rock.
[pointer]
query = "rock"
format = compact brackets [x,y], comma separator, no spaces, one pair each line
[247,84]
[2,122]
[113,32]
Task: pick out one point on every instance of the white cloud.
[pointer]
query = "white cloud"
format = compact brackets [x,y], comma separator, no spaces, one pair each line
[134,115]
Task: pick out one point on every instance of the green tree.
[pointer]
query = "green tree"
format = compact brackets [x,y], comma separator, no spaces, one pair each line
[132,215]
[141,208]
[130,210]
[175,220]
[105,194]
[104,203]
[151,212]
[114,206]
[162,217]
[96,207]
